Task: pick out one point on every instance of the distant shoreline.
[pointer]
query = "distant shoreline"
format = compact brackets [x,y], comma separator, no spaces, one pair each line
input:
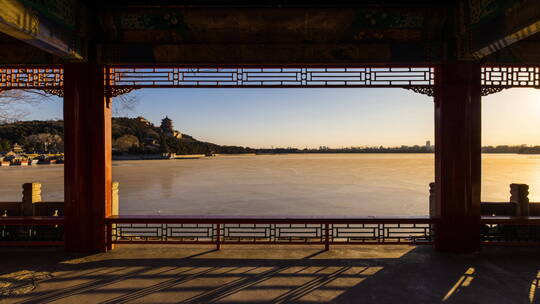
[201,156]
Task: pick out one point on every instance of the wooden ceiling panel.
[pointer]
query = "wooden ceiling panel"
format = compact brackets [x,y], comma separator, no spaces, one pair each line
[269,25]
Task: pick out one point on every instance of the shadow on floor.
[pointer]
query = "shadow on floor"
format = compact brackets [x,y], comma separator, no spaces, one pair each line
[258,274]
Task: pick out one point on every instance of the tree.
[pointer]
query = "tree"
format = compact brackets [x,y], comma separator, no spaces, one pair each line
[125,103]
[43,142]
[163,146]
[6,145]
[126,142]
[14,103]
[167,126]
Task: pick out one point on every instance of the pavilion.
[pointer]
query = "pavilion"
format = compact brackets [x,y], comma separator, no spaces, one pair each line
[89,51]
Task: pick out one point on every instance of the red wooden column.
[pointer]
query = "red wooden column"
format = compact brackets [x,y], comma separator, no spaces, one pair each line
[458,157]
[87,169]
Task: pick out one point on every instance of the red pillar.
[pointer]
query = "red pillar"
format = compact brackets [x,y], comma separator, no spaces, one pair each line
[87,169]
[458,157]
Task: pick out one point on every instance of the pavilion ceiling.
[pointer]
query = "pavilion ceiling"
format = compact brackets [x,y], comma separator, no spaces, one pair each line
[271,25]
[272,32]
[268,35]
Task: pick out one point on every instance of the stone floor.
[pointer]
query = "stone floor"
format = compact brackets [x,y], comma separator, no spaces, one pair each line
[270,274]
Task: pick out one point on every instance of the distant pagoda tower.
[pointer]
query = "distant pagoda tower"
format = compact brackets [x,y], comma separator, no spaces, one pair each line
[167,126]
[17,148]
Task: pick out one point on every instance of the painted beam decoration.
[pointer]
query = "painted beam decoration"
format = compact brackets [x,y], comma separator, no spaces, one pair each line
[49,26]
[496,24]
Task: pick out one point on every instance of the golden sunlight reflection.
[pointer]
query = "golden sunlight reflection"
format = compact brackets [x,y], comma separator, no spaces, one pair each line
[464,281]
[534,288]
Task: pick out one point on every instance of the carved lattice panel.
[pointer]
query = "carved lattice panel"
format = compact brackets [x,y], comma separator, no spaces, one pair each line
[511,76]
[381,233]
[121,80]
[268,77]
[247,232]
[31,78]
[191,232]
[277,233]
[165,232]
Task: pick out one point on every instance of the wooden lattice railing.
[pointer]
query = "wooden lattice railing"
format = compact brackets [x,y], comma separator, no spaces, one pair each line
[246,230]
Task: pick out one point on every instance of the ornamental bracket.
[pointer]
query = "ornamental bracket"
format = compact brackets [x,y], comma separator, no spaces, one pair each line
[115,92]
[429,91]
[112,92]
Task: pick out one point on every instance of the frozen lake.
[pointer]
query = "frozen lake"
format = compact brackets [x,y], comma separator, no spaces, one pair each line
[294,185]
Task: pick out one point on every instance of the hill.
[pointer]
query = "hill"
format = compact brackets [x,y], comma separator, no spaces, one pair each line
[130,136]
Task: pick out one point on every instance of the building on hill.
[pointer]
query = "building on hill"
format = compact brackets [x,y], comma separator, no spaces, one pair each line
[143,120]
[177,135]
[17,148]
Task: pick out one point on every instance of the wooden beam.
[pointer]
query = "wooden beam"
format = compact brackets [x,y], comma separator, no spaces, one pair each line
[276,3]
[32,26]
[457,157]
[508,22]
[219,54]
[21,53]
[87,169]
[524,52]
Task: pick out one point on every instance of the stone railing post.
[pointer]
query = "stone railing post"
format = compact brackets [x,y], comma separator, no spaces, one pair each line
[31,195]
[519,194]
[115,200]
[432,198]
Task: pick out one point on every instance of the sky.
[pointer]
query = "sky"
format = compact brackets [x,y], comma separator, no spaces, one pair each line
[264,118]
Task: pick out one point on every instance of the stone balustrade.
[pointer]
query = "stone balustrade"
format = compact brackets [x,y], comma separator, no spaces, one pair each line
[519,195]
[517,205]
